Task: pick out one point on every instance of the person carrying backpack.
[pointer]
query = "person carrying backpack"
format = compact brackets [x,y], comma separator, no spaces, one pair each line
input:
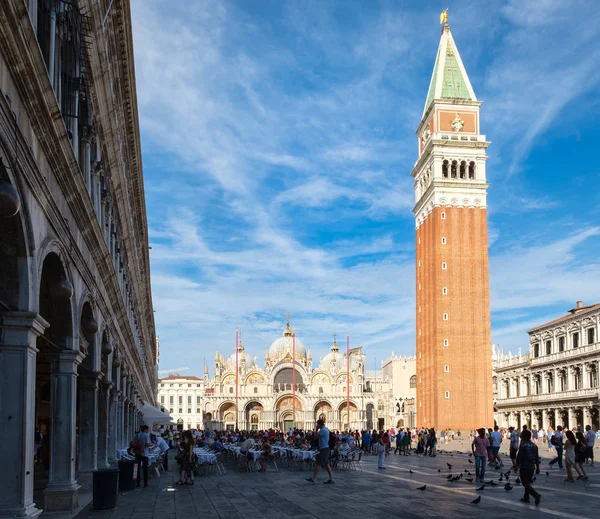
[141,442]
[557,442]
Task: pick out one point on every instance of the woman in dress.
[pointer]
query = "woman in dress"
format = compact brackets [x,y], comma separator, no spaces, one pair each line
[570,457]
[187,457]
[580,450]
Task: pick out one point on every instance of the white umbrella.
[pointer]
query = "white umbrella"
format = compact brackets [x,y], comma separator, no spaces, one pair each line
[152,415]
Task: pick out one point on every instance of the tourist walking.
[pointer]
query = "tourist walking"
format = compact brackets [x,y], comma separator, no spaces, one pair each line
[528,461]
[480,448]
[514,443]
[187,459]
[380,453]
[496,439]
[432,442]
[570,446]
[557,442]
[141,442]
[580,450]
[322,434]
[590,439]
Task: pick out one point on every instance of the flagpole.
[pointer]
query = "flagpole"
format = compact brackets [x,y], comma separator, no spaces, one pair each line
[348,375]
[294,377]
[237,375]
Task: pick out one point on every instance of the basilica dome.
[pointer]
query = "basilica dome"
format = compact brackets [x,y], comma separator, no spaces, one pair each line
[333,358]
[284,345]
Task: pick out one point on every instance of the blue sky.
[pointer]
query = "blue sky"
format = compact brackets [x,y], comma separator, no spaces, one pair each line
[278,140]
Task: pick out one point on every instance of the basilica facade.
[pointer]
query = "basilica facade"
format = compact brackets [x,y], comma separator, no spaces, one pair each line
[288,390]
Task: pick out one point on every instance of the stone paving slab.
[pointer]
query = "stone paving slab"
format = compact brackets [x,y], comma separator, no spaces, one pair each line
[368,494]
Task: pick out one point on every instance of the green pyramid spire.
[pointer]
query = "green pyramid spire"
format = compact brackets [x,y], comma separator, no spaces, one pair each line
[449,79]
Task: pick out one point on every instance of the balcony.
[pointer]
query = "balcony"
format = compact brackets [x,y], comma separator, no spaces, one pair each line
[561,396]
[571,353]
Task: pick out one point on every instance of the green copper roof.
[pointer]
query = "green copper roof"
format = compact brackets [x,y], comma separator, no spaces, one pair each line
[454,85]
[453,82]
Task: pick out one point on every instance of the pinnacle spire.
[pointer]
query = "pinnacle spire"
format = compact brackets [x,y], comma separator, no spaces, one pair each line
[449,79]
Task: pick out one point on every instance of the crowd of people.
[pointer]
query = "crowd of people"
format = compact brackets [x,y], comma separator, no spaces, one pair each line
[574,446]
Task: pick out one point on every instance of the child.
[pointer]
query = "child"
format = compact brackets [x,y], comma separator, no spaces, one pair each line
[380,453]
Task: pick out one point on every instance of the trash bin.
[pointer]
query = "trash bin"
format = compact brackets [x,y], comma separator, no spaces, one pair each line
[127,474]
[105,488]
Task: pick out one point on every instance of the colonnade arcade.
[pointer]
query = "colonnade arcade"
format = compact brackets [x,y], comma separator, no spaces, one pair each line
[283,414]
[568,416]
[61,373]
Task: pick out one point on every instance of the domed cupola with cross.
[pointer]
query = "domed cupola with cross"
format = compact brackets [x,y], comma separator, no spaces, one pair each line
[283,347]
[452,302]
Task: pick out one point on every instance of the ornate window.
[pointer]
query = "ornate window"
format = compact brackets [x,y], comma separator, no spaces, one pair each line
[548,347]
[591,336]
[255,390]
[463,169]
[471,170]
[561,344]
[413,382]
[320,391]
[536,349]
[454,169]
[230,390]
[575,338]
[445,169]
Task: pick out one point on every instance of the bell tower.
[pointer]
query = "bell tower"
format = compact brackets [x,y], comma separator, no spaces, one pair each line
[454,367]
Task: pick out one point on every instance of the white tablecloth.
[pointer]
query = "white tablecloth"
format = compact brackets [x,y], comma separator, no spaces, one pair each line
[205,456]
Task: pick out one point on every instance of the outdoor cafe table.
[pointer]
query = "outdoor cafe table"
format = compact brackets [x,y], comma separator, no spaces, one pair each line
[205,456]
[237,449]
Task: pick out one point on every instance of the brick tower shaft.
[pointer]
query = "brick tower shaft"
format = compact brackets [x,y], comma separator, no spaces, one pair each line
[454,366]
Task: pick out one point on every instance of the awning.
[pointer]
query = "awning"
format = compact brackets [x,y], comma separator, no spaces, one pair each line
[152,416]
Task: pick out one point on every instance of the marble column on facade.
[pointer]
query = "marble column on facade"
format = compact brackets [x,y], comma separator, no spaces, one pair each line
[113,426]
[557,417]
[88,426]
[17,411]
[587,416]
[545,419]
[62,491]
[571,418]
[103,424]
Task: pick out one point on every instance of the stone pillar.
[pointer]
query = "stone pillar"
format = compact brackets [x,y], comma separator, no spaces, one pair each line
[587,417]
[17,411]
[88,426]
[103,424]
[113,426]
[545,419]
[571,417]
[62,492]
[120,401]
[557,418]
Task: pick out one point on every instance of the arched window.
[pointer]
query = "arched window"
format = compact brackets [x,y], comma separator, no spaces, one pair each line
[453,169]
[413,381]
[443,215]
[445,342]
[320,391]
[447,394]
[445,169]
[444,291]
[472,170]
[443,241]
[255,390]
[445,317]
[446,368]
[231,390]
[444,266]
[463,169]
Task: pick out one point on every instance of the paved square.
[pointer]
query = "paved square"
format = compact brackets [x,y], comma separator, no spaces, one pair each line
[368,494]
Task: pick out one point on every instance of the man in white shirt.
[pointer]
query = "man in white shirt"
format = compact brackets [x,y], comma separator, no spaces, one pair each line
[590,438]
[164,449]
[496,440]
[344,448]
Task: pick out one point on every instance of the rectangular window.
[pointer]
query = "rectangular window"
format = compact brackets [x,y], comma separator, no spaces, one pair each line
[591,335]
[180,399]
[561,344]
[171,410]
[198,411]
[189,399]
[162,399]
[198,400]
[189,410]
[548,347]
[536,350]
[189,385]
[576,340]
[180,410]
[171,400]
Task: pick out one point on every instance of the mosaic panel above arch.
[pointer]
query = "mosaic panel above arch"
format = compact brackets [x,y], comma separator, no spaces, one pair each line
[255,378]
[287,403]
[321,378]
[229,379]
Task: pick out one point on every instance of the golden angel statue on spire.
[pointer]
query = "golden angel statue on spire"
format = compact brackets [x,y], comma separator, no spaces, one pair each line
[444,16]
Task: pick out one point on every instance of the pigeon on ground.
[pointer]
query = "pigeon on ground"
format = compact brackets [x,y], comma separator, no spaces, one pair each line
[449,476]
[501,477]
[469,474]
[439,470]
[466,471]
[470,454]
[410,471]
[508,487]
[470,461]
[493,484]
[481,488]
[518,481]
[422,488]
[476,501]
[449,466]
[470,480]
[547,473]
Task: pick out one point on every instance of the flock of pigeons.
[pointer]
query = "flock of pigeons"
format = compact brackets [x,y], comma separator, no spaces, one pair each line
[467,476]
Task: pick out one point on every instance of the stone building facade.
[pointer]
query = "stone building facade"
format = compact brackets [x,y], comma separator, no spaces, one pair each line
[182,397]
[399,376]
[77,341]
[265,396]
[454,372]
[556,383]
